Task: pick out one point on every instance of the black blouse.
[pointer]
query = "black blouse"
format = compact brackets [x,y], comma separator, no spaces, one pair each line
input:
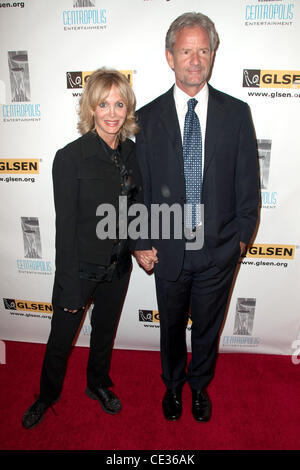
[120,262]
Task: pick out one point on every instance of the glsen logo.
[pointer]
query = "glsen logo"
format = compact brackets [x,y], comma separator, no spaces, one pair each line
[11,165]
[253,78]
[27,306]
[148,316]
[152,316]
[79,79]
[271,251]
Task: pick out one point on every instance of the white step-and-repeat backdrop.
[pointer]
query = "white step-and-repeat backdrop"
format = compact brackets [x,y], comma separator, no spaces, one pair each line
[48,49]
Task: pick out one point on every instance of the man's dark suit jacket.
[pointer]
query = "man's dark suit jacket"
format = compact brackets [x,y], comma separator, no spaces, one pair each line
[84,177]
[230,176]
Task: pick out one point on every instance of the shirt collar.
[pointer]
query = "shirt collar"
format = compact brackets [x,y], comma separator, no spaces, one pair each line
[181,98]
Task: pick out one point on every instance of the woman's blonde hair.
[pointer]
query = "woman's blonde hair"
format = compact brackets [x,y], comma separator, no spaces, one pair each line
[96,90]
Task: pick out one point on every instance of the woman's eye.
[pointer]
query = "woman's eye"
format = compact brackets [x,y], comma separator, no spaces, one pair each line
[102,105]
[120,104]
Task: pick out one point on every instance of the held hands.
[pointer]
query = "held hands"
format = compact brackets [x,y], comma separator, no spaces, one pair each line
[72,311]
[146,258]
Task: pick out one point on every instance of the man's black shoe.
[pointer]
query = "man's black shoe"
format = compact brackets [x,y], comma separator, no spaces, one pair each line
[201,405]
[172,404]
[109,402]
[34,415]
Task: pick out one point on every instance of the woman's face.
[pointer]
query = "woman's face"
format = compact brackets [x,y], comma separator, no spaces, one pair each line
[109,116]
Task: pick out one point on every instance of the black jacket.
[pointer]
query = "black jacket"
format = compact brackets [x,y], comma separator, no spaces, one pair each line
[230,178]
[84,176]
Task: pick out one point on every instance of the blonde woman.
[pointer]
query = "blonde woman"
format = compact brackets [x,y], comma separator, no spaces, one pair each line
[95,169]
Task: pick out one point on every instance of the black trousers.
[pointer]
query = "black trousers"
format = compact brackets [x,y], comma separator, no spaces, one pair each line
[108,298]
[203,290]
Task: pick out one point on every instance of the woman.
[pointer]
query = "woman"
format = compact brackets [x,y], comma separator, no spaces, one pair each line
[95,169]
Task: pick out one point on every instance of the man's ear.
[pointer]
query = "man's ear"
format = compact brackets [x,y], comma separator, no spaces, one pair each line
[212,58]
[170,59]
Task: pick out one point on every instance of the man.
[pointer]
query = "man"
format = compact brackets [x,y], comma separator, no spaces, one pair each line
[196,146]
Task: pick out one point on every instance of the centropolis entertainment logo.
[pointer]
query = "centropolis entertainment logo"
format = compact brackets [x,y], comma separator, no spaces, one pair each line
[33,262]
[243,325]
[269,197]
[274,13]
[84,16]
[20,108]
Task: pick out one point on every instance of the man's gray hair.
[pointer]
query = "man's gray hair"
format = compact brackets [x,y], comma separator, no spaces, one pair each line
[190,20]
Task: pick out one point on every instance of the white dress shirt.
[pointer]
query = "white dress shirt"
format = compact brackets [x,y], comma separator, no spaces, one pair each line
[181,99]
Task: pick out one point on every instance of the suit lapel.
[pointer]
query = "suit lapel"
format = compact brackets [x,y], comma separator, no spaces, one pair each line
[214,124]
[169,120]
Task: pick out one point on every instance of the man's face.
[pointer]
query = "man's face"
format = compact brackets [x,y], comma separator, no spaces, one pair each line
[191,59]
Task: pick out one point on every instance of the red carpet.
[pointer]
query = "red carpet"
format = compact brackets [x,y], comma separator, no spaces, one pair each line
[255,399]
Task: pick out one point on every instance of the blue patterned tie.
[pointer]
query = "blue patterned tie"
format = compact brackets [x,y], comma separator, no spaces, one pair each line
[192,157]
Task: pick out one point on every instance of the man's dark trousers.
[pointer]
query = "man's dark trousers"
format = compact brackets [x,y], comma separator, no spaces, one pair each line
[203,290]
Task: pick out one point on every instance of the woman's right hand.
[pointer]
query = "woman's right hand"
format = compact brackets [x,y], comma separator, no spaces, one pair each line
[71,311]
